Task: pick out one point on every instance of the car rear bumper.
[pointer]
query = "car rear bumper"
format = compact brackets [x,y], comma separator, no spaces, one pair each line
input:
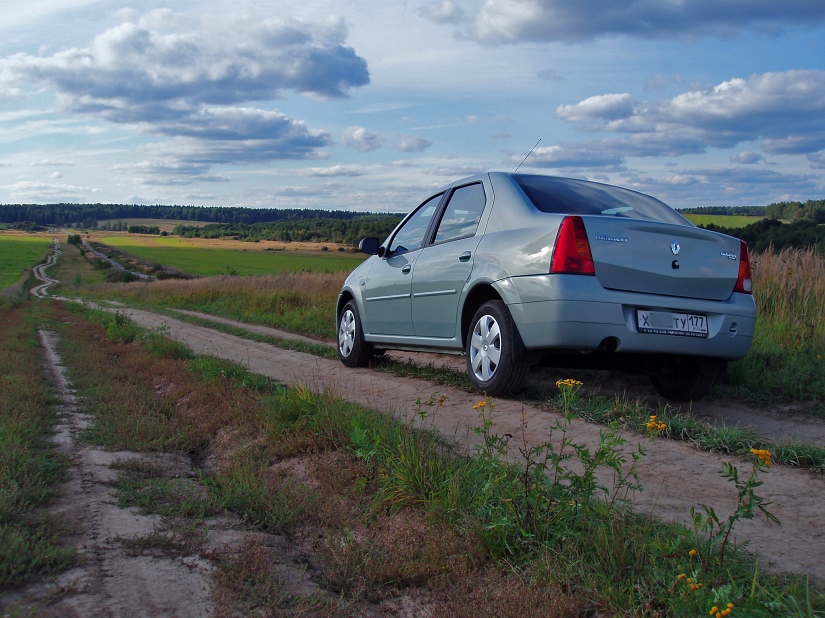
[569,312]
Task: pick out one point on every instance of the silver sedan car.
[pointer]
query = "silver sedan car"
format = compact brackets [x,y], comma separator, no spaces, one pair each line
[515,270]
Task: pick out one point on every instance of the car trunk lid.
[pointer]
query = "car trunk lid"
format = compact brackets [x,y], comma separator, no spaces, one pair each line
[662,258]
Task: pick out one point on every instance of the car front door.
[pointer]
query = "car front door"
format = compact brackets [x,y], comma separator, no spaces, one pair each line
[388,287]
[443,267]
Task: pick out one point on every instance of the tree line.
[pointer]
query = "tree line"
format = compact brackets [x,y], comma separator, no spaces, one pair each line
[304,230]
[767,233]
[745,211]
[86,216]
[812,211]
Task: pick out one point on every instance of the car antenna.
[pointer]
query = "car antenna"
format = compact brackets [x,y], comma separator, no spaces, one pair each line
[525,158]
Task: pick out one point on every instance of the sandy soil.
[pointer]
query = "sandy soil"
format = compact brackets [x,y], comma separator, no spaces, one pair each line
[674,475]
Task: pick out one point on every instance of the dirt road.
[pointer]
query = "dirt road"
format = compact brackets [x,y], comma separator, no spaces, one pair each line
[674,475]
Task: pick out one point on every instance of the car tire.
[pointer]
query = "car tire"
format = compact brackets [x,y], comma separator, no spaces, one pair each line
[490,347]
[353,351]
[688,386]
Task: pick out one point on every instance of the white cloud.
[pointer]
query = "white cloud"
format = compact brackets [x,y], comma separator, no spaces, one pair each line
[52,163]
[188,84]
[442,12]
[333,170]
[27,191]
[413,143]
[361,139]
[817,160]
[56,175]
[747,157]
[786,110]
[599,108]
[514,21]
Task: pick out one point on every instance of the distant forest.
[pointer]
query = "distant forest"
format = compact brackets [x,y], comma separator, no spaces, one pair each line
[804,227]
[305,230]
[749,211]
[244,223]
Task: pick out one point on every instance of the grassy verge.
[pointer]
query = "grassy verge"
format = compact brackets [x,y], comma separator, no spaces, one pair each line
[785,362]
[392,511]
[74,272]
[30,469]
[300,302]
[625,413]
[618,411]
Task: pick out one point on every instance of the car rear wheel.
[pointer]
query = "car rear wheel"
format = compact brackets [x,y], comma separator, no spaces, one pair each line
[686,386]
[490,347]
[352,349]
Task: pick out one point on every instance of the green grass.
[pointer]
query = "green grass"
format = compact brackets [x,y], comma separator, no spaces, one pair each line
[17,252]
[210,260]
[30,468]
[544,517]
[722,220]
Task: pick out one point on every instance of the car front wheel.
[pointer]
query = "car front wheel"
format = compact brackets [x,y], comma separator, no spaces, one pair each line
[490,347]
[352,349]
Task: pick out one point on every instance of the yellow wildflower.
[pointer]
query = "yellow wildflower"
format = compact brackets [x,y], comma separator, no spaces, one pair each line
[681,576]
[713,610]
[692,552]
[763,455]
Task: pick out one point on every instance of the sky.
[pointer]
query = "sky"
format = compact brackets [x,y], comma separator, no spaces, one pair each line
[373,106]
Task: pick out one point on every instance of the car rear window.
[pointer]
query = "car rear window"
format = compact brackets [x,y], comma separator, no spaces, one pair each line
[580,197]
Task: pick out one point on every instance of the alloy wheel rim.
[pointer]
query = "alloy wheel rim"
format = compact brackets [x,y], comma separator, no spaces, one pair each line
[346,333]
[485,348]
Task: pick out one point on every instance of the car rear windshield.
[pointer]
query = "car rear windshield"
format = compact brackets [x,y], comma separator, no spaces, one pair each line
[580,197]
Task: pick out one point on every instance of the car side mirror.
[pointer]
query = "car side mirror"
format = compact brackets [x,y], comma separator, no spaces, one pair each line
[369,245]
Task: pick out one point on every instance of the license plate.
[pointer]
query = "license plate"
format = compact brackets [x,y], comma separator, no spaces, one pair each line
[668,323]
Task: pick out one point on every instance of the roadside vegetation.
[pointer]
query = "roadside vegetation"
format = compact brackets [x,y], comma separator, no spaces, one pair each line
[299,302]
[30,468]
[383,509]
[785,362]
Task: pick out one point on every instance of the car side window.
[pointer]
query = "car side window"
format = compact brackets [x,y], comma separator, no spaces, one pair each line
[462,214]
[411,234]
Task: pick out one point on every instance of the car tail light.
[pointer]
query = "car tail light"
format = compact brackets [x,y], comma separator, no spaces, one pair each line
[743,282]
[572,253]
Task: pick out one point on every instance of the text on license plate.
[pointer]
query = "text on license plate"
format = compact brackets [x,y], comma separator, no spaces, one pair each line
[667,323]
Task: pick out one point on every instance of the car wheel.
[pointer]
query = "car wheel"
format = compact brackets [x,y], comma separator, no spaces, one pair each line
[352,349]
[491,363]
[687,386]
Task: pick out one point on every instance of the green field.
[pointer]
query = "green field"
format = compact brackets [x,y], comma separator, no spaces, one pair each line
[723,220]
[207,258]
[17,251]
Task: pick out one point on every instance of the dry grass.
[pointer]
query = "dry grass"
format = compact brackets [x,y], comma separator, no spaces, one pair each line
[301,302]
[789,286]
[785,360]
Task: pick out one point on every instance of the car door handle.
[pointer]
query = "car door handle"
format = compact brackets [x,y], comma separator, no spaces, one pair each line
[464,257]
[406,270]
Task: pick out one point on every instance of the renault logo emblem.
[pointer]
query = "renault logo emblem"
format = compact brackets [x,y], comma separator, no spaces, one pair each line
[674,247]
